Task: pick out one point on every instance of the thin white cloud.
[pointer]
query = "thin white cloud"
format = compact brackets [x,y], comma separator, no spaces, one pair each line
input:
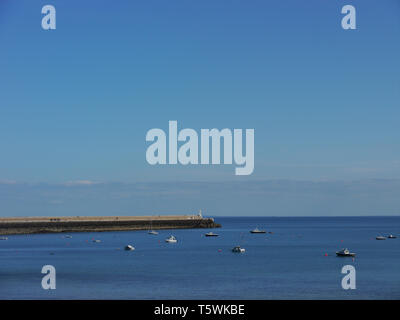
[80,183]
[5,181]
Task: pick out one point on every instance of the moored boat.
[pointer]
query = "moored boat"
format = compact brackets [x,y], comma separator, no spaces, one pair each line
[211,234]
[238,249]
[171,239]
[256,230]
[390,236]
[345,253]
[129,248]
[151,231]
[380,238]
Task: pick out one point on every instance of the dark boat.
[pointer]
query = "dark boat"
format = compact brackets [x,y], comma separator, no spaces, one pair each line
[211,234]
[390,236]
[345,253]
[238,249]
[256,230]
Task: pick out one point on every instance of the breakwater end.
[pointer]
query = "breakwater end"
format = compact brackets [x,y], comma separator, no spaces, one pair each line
[28,225]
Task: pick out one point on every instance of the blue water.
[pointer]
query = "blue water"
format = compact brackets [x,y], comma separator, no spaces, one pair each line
[288,264]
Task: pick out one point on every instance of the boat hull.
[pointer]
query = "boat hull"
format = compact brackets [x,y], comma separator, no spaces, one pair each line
[345,254]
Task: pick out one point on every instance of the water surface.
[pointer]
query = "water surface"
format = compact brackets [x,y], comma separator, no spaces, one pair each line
[296,261]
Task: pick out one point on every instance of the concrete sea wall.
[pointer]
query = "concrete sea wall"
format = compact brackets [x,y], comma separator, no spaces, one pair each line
[96,224]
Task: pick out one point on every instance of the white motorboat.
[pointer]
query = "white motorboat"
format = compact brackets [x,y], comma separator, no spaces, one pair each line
[96,240]
[129,248]
[345,253]
[238,249]
[171,239]
[380,238]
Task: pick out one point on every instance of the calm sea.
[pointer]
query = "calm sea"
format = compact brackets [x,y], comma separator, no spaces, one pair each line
[296,261]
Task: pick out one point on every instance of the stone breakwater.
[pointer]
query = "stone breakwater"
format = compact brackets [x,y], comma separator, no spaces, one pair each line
[97,224]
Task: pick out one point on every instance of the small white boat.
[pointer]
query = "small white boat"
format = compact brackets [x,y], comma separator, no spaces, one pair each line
[97,241]
[68,236]
[238,249]
[151,231]
[211,234]
[129,248]
[171,239]
[345,253]
[380,238]
[390,236]
[256,230]
[3,238]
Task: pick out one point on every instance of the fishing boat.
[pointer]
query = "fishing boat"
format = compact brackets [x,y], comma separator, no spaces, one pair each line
[171,239]
[256,230]
[380,238]
[211,234]
[345,253]
[129,248]
[238,249]
[390,236]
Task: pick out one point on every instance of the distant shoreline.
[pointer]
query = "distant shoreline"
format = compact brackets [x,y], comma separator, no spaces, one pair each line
[29,225]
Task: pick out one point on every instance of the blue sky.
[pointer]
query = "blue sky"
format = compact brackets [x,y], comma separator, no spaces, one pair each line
[76,102]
